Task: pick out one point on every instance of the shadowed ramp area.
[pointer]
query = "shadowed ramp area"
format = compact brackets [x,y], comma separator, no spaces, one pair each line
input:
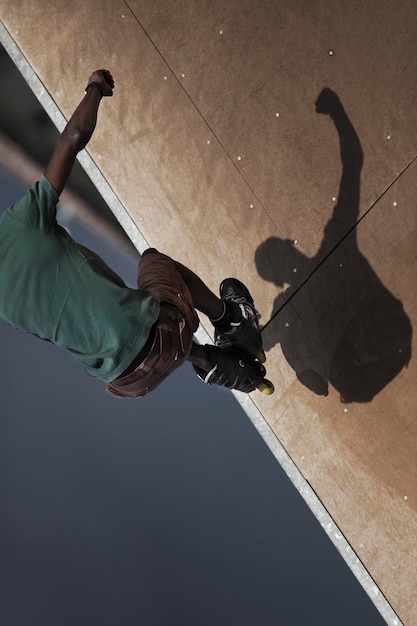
[221,148]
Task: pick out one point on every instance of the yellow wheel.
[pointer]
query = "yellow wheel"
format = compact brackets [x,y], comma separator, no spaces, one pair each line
[266,387]
[260,355]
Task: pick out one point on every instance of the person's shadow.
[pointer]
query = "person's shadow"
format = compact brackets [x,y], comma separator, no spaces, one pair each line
[341,326]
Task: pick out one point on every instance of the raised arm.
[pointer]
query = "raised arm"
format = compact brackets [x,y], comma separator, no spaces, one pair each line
[79,129]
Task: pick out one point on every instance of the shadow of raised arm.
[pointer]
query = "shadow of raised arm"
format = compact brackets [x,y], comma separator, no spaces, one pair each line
[346,211]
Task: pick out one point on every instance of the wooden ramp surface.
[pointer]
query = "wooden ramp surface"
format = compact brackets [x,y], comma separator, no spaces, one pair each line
[214,147]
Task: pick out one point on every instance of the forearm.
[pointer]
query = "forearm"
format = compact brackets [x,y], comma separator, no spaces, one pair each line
[83,121]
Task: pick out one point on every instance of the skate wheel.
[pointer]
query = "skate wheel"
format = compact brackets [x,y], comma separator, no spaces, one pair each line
[266,387]
[260,355]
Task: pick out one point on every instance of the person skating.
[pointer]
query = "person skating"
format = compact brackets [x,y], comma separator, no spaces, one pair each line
[132,339]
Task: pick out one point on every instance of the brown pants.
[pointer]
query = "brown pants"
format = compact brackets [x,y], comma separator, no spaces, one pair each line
[171,336]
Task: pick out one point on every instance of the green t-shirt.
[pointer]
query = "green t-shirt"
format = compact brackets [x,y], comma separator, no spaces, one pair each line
[54,288]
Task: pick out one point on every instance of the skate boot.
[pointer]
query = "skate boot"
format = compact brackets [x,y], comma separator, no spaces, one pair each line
[242,329]
[231,368]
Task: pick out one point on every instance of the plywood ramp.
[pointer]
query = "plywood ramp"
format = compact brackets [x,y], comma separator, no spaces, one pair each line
[215,148]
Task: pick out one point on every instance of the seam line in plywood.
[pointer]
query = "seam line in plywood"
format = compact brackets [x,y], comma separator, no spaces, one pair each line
[336,246]
[200,113]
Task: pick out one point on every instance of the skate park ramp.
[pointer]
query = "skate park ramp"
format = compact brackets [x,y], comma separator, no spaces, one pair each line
[221,149]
